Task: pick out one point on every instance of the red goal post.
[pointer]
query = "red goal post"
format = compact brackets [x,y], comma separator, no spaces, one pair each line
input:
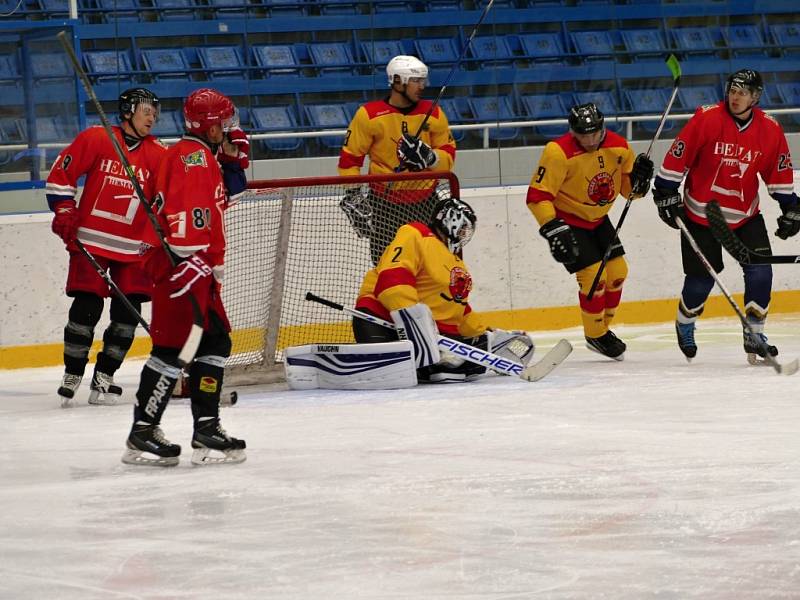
[287,237]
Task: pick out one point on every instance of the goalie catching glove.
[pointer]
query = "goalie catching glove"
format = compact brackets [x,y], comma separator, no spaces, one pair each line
[356,207]
[414,154]
[516,346]
[416,324]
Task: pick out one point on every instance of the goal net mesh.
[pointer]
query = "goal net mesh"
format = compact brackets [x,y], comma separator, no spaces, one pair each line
[292,236]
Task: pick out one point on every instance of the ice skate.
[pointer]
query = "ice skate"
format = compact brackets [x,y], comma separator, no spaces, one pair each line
[212,445]
[685,333]
[755,351]
[147,445]
[103,390]
[69,385]
[608,345]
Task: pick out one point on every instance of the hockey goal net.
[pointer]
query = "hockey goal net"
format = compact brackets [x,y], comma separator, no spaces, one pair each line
[287,237]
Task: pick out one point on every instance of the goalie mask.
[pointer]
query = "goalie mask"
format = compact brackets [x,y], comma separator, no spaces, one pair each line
[746,79]
[206,107]
[136,100]
[406,67]
[454,222]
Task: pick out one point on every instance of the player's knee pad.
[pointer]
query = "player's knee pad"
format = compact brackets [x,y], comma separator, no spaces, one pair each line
[616,273]
[86,309]
[696,289]
[117,340]
[757,279]
[585,278]
[121,313]
[215,345]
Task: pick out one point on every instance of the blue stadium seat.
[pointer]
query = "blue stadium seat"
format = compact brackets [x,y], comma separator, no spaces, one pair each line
[456,114]
[50,64]
[222,62]
[789,94]
[285,8]
[380,52]
[494,108]
[328,116]
[593,45]
[442,4]
[280,59]
[107,65]
[55,8]
[166,63]
[546,106]
[542,46]
[694,42]
[787,37]
[8,67]
[226,9]
[331,58]
[48,130]
[606,102]
[700,95]
[393,6]
[176,10]
[643,43]
[170,124]
[652,101]
[119,10]
[268,119]
[436,51]
[490,52]
[744,40]
[338,7]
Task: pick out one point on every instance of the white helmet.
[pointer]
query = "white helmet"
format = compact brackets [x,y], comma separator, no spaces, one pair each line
[406,67]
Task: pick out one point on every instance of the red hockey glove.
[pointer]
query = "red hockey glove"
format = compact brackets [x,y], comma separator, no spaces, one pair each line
[188,273]
[65,221]
[235,148]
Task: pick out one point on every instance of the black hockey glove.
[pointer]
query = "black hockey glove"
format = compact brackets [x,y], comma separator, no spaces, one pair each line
[641,175]
[414,154]
[356,207]
[789,222]
[670,205]
[563,245]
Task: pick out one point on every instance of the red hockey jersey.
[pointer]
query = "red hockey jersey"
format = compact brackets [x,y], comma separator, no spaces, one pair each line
[111,219]
[190,199]
[724,159]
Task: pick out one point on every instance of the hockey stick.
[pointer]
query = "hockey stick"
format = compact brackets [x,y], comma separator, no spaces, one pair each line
[735,247]
[787,369]
[107,278]
[675,68]
[554,357]
[193,340]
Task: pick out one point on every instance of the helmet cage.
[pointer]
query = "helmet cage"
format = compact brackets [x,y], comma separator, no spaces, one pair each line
[454,220]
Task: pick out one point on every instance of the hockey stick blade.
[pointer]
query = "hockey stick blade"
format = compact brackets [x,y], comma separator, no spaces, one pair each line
[554,357]
[735,247]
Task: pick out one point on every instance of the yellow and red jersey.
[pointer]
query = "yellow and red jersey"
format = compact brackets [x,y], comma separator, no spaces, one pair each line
[577,186]
[190,199]
[111,221]
[724,159]
[376,130]
[418,267]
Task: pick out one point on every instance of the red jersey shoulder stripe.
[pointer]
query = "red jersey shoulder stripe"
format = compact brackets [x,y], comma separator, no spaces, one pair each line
[423,229]
[379,108]
[614,140]
[394,277]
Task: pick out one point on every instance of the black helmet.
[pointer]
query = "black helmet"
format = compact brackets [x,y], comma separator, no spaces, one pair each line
[454,222]
[129,99]
[748,79]
[585,118]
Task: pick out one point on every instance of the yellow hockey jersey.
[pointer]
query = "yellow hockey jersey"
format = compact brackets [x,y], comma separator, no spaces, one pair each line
[577,186]
[418,267]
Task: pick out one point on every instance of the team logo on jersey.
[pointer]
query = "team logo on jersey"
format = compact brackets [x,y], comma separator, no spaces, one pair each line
[195,159]
[208,384]
[460,285]
[601,189]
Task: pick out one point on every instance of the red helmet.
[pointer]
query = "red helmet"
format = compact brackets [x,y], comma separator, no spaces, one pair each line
[206,107]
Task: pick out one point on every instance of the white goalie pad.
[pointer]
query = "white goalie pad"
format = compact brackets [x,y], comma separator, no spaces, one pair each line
[385,366]
[516,346]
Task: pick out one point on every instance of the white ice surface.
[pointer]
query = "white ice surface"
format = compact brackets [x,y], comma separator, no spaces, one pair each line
[650,478]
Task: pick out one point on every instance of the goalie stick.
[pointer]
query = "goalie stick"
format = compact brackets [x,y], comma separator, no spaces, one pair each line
[735,247]
[193,340]
[675,68]
[534,372]
[789,368]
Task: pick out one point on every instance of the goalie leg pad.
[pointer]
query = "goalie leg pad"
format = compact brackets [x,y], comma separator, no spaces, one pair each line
[388,365]
[416,324]
[516,346]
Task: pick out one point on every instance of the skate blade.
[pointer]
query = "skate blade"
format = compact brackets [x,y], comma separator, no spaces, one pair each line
[100,399]
[140,458]
[619,358]
[207,456]
[66,402]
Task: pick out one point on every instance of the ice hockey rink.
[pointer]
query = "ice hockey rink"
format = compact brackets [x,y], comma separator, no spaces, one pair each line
[641,479]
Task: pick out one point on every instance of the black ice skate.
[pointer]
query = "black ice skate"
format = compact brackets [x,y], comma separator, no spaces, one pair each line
[147,445]
[69,385]
[213,446]
[608,345]
[756,350]
[686,343]
[103,390]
